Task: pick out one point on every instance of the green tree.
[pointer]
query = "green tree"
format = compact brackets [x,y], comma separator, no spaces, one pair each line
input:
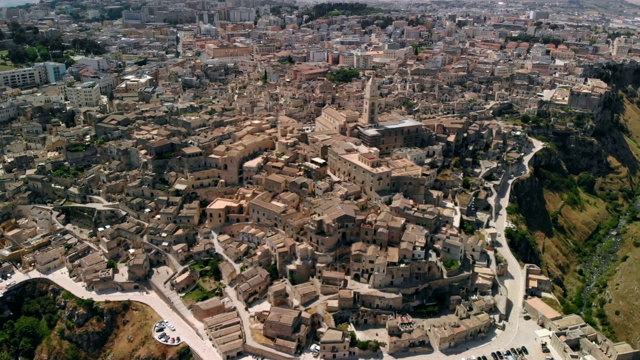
[587,182]
[450,264]
[343,75]
[466,183]
[32,54]
[30,332]
[185,353]
[26,348]
[112,264]
[19,38]
[374,346]
[273,271]
[467,227]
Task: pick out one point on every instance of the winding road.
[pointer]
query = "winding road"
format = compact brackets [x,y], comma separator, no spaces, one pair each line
[518,332]
[201,347]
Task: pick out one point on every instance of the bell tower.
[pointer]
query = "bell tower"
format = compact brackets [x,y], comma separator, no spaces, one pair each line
[370,108]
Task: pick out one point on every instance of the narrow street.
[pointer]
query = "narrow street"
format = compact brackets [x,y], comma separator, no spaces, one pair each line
[240,307]
[518,332]
[159,277]
[220,251]
[246,323]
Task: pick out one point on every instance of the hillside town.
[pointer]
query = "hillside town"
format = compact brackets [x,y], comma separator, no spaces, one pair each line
[301,184]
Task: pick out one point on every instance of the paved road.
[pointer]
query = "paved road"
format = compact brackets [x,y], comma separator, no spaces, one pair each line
[518,331]
[202,347]
[220,251]
[240,307]
[246,322]
[159,277]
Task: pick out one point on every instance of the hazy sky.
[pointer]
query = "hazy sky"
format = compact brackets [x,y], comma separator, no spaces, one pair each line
[5,3]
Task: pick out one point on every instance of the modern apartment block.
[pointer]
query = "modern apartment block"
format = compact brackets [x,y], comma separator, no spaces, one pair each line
[25,77]
[85,94]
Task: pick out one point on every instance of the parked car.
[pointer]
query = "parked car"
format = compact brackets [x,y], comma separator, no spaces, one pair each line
[173,328]
[524,350]
[513,351]
[500,356]
[178,339]
[484,357]
[494,356]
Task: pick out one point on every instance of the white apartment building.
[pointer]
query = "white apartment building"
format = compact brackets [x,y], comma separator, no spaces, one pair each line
[97,63]
[132,84]
[241,14]
[86,94]
[17,78]
[106,81]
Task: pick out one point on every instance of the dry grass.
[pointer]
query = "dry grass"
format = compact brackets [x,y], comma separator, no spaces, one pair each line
[556,251]
[257,336]
[623,311]
[631,118]
[553,303]
[134,339]
[558,257]
[327,317]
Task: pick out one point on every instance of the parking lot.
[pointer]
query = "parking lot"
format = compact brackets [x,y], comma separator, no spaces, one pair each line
[166,333]
[518,353]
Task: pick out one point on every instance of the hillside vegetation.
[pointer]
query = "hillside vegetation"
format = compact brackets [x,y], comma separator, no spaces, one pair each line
[41,321]
[576,210]
[623,283]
